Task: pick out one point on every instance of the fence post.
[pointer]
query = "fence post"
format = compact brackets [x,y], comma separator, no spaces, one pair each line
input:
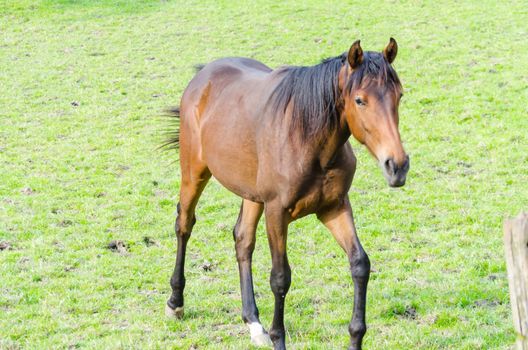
[516,249]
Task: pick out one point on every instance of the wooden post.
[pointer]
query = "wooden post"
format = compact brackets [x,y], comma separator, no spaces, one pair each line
[516,248]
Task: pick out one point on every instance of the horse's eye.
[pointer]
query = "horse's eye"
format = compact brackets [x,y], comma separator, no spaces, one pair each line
[359,101]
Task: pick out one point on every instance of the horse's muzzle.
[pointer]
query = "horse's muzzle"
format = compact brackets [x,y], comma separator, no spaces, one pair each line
[395,174]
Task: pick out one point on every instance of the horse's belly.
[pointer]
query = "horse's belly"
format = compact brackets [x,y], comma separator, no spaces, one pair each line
[242,184]
[231,157]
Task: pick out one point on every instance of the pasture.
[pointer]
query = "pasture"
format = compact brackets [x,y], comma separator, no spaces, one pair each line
[82,88]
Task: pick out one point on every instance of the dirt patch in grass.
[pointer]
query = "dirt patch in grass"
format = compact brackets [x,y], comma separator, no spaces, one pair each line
[118,246]
[4,245]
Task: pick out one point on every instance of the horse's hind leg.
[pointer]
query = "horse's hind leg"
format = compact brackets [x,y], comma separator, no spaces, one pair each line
[193,183]
[244,235]
[340,222]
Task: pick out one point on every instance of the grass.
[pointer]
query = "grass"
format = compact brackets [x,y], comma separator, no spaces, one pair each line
[82,85]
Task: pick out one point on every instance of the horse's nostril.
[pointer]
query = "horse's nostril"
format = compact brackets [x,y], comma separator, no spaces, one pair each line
[390,166]
[406,164]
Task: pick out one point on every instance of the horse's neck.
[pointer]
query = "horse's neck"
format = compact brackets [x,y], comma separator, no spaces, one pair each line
[331,145]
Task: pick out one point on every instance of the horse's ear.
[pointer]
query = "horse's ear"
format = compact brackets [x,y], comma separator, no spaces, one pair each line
[355,55]
[391,50]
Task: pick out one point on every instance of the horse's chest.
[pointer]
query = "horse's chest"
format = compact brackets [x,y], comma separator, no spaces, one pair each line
[319,191]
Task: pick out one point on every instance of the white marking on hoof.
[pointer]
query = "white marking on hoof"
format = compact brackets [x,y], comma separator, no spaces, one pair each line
[259,337]
[170,312]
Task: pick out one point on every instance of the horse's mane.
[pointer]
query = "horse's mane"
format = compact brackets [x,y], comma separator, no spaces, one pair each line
[314,92]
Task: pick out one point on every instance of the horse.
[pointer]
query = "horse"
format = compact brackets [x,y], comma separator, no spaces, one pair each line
[279,139]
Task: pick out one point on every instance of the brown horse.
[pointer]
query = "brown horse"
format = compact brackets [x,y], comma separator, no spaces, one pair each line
[279,139]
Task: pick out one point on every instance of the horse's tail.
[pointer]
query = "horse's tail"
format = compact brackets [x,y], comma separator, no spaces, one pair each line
[172,140]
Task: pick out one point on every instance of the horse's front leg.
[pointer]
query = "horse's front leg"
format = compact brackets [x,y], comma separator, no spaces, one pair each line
[340,222]
[280,278]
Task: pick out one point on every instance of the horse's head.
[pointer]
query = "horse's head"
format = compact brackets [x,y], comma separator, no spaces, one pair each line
[371,91]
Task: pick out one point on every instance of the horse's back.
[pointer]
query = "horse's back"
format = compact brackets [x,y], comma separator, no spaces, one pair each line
[221,79]
[226,71]
[242,63]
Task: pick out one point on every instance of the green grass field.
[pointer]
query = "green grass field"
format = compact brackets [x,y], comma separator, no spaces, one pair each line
[82,87]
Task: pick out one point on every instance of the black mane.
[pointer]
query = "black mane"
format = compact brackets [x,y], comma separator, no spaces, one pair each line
[314,92]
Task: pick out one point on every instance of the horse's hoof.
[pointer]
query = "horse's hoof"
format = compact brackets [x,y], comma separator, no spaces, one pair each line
[261,340]
[174,313]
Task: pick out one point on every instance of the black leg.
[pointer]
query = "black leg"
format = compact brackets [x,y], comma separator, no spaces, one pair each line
[340,222]
[360,268]
[189,194]
[177,280]
[280,278]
